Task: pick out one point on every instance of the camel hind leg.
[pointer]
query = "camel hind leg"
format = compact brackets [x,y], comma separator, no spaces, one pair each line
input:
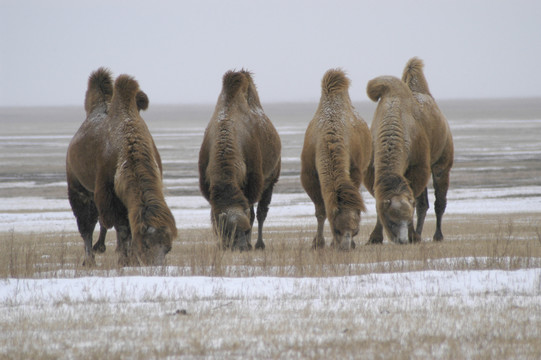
[249,236]
[440,178]
[99,246]
[86,213]
[262,210]
[441,185]
[421,206]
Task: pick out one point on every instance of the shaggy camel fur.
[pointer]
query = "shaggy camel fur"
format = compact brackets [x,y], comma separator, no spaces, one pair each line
[239,162]
[114,174]
[335,156]
[412,139]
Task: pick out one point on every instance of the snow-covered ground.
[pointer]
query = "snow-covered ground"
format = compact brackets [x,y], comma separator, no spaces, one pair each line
[37,214]
[463,284]
[429,314]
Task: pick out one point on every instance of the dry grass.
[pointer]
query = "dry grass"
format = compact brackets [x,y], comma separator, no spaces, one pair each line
[315,323]
[481,242]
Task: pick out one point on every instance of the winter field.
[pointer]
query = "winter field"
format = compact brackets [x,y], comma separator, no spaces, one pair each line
[477,294]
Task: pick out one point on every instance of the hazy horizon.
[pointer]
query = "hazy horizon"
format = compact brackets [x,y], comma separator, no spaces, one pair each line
[179,51]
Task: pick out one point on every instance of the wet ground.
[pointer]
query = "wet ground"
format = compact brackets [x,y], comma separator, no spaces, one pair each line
[497,151]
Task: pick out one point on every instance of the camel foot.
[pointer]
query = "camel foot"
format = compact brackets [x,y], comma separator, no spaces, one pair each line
[375,240]
[318,244]
[99,248]
[260,245]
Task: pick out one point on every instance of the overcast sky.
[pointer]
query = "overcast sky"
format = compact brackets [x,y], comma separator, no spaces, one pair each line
[179,50]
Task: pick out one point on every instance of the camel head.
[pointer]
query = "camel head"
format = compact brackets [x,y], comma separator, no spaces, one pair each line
[344,226]
[395,206]
[152,244]
[233,227]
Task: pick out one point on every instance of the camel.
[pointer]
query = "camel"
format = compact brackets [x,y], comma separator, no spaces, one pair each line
[114,174]
[239,162]
[335,156]
[412,140]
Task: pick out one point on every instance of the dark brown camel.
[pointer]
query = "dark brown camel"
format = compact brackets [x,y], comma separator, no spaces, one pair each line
[239,162]
[114,174]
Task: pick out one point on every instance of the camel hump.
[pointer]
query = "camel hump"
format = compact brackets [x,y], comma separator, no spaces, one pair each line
[235,81]
[334,80]
[127,92]
[414,76]
[101,81]
[382,85]
[100,89]
[126,86]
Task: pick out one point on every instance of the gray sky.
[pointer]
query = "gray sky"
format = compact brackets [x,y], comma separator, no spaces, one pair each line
[179,50]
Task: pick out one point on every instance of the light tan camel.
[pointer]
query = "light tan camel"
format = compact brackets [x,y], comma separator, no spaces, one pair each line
[336,153]
[412,140]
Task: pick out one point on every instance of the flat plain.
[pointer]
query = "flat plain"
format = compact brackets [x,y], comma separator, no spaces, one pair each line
[477,294]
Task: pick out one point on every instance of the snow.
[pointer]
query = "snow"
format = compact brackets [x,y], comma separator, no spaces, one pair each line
[424,314]
[18,292]
[39,214]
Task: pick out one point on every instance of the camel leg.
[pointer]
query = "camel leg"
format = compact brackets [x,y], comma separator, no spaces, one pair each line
[262,210]
[310,182]
[99,246]
[86,213]
[421,205]
[376,237]
[249,237]
[123,241]
[319,239]
[412,234]
[418,177]
[440,180]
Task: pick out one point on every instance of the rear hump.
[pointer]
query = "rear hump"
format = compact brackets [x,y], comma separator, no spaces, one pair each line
[334,81]
[99,91]
[125,93]
[234,82]
[414,76]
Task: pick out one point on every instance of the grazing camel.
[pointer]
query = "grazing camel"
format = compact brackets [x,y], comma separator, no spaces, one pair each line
[336,153]
[412,140]
[114,174]
[239,162]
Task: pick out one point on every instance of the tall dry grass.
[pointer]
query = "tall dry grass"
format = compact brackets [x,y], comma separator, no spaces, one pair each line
[480,242]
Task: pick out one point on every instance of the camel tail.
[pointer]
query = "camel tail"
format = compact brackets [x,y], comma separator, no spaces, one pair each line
[233,82]
[100,89]
[414,76]
[334,80]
